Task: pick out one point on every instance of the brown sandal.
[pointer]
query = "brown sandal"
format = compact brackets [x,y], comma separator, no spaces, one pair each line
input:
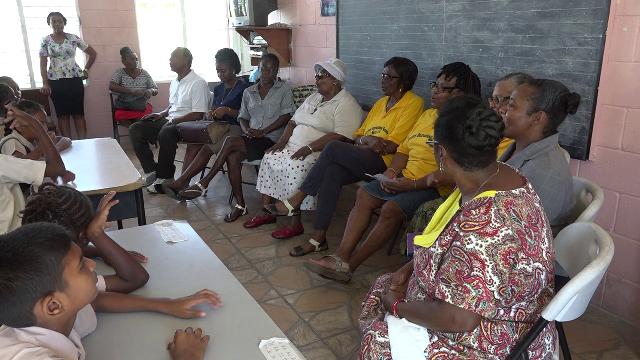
[235,213]
[340,273]
[300,250]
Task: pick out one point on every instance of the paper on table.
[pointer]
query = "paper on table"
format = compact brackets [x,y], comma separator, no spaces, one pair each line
[380,177]
[279,349]
[169,231]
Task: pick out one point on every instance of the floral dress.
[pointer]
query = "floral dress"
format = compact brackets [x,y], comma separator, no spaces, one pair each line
[494,258]
[62,57]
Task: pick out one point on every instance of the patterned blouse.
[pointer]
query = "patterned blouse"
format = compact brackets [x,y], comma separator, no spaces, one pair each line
[495,258]
[62,57]
[142,81]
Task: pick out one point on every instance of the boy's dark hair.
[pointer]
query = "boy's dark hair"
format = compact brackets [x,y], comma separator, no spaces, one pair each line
[31,267]
[406,69]
[60,205]
[124,51]
[470,131]
[466,79]
[54,13]
[271,57]
[9,81]
[229,57]
[28,106]
[6,93]
[518,78]
[555,99]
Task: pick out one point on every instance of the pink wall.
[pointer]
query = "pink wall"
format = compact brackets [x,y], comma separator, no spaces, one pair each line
[314,37]
[614,162]
[107,25]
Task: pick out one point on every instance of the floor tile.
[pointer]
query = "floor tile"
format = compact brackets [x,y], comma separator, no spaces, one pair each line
[281,313]
[345,345]
[317,351]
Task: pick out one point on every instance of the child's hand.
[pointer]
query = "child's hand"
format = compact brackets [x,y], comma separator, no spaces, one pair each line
[188,344]
[138,257]
[68,176]
[183,307]
[99,222]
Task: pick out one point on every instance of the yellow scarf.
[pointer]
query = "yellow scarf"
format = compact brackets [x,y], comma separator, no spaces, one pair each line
[443,216]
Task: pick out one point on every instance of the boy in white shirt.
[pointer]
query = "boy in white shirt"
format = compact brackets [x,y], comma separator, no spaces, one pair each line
[48,294]
[14,171]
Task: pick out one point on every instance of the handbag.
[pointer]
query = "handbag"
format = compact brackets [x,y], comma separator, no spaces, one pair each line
[202,131]
[137,104]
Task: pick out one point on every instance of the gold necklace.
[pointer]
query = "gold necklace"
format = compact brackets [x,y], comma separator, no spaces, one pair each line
[484,183]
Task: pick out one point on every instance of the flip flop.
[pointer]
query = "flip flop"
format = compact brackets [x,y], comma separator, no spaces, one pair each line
[192,192]
[273,210]
[300,250]
[340,273]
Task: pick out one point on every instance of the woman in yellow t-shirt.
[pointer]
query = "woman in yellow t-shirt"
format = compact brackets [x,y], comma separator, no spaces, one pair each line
[375,142]
[407,188]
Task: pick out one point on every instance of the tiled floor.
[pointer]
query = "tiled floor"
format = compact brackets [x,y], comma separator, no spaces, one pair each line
[319,315]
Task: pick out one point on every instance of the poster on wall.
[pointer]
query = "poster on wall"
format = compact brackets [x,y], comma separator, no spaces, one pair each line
[328,8]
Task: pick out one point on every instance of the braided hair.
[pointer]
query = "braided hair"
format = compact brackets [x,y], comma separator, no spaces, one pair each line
[555,99]
[6,94]
[470,132]
[56,13]
[60,205]
[466,79]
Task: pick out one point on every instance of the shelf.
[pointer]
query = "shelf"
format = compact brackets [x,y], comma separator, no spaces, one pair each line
[278,41]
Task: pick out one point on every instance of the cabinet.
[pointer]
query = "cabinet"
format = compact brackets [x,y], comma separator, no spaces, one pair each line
[278,42]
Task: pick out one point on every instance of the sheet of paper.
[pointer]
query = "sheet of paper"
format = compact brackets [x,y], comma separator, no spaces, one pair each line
[169,232]
[380,177]
[279,349]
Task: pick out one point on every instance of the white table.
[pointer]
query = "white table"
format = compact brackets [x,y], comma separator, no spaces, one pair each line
[177,270]
[101,166]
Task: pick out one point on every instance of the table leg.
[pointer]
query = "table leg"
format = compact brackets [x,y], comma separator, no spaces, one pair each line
[142,218]
[119,224]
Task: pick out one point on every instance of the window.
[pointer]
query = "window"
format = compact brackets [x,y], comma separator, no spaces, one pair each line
[199,25]
[26,23]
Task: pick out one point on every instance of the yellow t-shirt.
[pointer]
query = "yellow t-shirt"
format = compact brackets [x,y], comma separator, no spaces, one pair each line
[504,144]
[422,160]
[443,216]
[395,124]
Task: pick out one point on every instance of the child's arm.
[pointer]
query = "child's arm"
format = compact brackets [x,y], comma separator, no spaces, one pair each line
[55,166]
[182,307]
[130,275]
[62,143]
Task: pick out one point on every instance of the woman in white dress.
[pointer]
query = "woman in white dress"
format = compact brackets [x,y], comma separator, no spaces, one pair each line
[331,113]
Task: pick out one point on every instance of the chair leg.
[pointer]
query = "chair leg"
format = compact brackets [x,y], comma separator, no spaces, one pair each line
[116,132]
[562,339]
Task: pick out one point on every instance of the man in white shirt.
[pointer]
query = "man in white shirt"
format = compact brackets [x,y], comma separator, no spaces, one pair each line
[15,171]
[188,101]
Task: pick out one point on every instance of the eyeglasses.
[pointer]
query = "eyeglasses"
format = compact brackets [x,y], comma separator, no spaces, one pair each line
[385,76]
[499,100]
[433,143]
[321,75]
[435,85]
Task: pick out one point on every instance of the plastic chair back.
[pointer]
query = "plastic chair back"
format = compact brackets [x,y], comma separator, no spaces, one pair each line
[585,251]
[588,200]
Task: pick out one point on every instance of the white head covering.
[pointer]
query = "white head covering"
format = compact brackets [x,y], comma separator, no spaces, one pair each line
[333,66]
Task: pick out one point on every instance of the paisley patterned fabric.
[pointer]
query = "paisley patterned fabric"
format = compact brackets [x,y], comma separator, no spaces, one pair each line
[495,259]
[62,57]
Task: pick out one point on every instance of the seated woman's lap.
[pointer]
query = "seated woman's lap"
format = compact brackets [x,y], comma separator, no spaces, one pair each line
[408,201]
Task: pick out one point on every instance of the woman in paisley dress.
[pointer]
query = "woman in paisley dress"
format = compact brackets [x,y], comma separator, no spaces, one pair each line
[483,268]
[62,80]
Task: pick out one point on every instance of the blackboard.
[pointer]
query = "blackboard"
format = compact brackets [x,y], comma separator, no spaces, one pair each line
[556,39]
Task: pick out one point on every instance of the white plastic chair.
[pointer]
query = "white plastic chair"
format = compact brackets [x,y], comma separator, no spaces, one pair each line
[585,250]
[589,198]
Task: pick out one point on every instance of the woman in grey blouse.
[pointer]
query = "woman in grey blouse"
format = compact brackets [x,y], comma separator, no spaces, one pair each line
[133,84]
[532,116]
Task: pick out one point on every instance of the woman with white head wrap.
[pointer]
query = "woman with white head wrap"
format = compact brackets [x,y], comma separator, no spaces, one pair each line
[331,113]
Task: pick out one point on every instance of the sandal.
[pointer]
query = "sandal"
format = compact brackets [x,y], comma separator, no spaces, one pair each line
[171,192]
[273,210]
[300,250]
[235,213]
[340,273]
[192,191]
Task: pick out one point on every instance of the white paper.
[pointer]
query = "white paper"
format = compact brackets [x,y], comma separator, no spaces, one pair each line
[279,349]
[380,177]
[406,339]
[169,232]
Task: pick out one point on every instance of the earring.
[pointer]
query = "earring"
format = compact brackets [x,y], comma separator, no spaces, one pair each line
[441,167]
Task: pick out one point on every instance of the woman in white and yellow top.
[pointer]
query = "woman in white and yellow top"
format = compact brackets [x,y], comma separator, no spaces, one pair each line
[409,183]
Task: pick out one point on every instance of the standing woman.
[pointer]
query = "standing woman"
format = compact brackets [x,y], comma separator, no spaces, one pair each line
[63,80]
